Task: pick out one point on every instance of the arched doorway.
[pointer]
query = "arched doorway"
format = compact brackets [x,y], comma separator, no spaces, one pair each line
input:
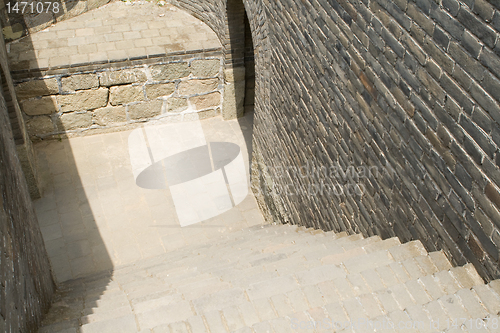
[239,62]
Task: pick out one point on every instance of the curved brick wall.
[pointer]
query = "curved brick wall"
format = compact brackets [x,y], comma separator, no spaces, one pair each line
[405,92]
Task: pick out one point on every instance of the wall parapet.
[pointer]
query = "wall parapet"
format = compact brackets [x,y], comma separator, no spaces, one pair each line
[94,99]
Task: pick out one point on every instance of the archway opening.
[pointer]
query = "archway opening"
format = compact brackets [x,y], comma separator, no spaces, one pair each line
[239,62]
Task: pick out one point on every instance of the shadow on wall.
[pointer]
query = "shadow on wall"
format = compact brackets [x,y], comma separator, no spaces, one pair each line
[72,239]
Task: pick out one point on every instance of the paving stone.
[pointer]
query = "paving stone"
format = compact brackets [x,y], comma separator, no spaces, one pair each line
[248,313]
[272,287]
[214,322]
[490,301]
[196,324]
[233,318]
[123,324]
[320,274]
[264,309]
[165,314]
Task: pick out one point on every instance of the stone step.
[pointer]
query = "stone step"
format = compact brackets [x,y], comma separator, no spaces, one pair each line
[262,278]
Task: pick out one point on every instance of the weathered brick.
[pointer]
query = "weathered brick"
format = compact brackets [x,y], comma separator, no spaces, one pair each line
[451,6]
[457,93]
[478,135]
[438,55]
[483,9]
[492,85]
[490,60]
[448,23]
[493,194]
[482,119]
[441,38]
[485,101]
[471,44]
[462,77]
[393,43]
[424,5]
[471,66]
[477,27]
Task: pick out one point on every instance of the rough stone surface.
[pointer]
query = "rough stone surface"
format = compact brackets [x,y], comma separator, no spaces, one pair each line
[39,106]
[125,76]
[74,120]
[37,88]
[40,125]
[205,68]
[192,87]
[158,90]
[80,82]
[125,94]
[175,104]
[206,101]
[170,71]
[110,115]
[83,100]
[145,110]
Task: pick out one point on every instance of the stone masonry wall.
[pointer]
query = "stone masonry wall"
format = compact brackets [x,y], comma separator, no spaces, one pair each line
[26,284]
[114,98]
[399,99]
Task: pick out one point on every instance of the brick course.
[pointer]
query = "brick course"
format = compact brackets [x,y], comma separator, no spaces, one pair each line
[409,87]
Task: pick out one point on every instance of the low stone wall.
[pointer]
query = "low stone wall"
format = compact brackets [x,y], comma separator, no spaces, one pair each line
[114,98]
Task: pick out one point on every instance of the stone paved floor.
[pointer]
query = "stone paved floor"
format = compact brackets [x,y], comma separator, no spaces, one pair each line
[94,217]
[116,31]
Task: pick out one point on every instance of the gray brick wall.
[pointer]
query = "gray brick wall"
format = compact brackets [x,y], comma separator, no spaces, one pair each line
[407,89]
[26,284]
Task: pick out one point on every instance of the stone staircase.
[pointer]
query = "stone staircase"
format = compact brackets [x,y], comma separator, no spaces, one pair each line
[282,278]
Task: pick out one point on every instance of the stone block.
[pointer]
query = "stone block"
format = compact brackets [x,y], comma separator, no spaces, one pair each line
[80,82]
[157,90]
[40,125]
[192,87]
[206,101]
[124,76]
[170,71]
[110,115]
[145,110]
[37,88]
[70,121]
[125,94]
[39,106]
[176,104]
[205,68]
[83,100]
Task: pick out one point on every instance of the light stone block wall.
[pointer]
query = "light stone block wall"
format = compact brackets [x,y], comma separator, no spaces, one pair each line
[113,99]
